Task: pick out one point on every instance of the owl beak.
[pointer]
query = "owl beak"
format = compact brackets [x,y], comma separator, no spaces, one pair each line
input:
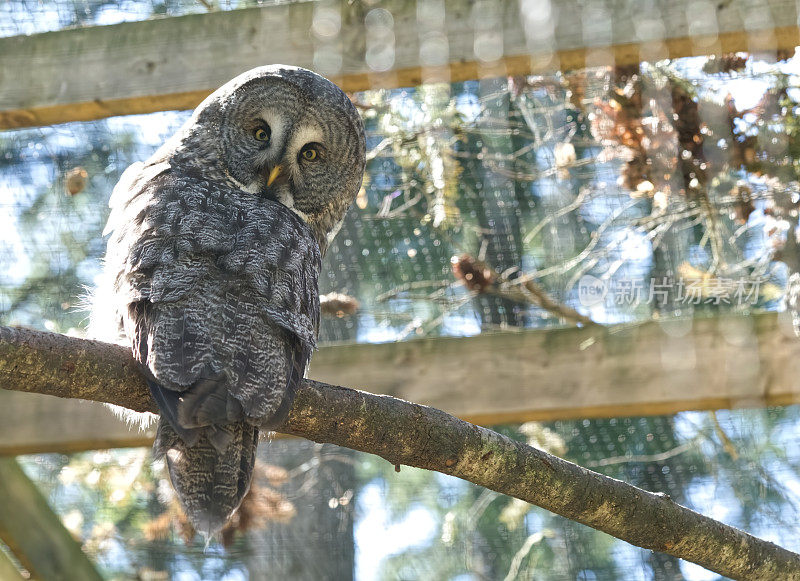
[273,175]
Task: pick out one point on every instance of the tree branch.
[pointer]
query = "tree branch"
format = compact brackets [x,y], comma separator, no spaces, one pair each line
[425,437]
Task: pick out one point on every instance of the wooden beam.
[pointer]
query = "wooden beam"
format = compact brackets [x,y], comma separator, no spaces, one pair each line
[33,423]
[34,533]
[647,369]
[173,63]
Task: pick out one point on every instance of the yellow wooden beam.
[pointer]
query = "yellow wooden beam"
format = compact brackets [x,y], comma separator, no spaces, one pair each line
[173,63]
[34,423]
[651,368]
[35,534]
[646,369]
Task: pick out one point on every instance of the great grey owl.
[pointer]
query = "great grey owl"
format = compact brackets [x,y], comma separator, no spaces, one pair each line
[213,263]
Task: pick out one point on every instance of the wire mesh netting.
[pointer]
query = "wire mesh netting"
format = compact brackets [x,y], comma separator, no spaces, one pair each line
[485,205]
[609,195]
[322,512]
[32,16]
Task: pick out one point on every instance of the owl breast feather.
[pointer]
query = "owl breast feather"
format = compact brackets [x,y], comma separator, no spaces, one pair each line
[179,231]
[214,282]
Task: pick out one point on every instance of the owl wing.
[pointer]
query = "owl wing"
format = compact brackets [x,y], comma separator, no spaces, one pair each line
[218,295]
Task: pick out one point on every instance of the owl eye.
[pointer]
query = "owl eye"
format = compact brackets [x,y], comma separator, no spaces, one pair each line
[262,133]
[310,152]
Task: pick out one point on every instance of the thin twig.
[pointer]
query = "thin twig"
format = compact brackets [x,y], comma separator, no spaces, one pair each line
[676,451]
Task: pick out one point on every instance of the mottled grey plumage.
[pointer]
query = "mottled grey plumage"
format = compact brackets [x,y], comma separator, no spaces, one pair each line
[213,263]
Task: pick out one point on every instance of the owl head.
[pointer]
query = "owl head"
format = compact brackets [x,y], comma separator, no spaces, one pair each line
[282,133]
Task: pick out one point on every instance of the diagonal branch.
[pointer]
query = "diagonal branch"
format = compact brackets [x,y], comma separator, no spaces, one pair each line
[425,437]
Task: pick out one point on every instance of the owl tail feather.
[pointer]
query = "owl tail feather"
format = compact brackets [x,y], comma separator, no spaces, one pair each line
[210,484]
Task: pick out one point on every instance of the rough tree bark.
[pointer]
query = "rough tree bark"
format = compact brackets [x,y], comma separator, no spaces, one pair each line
[416,435]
